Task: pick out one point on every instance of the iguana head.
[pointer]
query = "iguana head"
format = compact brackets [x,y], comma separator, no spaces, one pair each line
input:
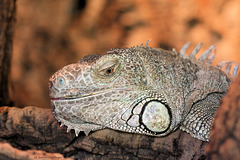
[113,91]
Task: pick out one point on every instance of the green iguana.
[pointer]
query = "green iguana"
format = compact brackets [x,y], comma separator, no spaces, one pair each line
[141,90]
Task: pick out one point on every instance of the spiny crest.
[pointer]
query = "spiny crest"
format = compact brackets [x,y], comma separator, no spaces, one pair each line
[208,58]
[85,127]
[146,45]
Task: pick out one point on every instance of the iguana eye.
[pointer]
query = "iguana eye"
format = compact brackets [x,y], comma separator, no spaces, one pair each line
[61,81]
[108,68]
[109,71]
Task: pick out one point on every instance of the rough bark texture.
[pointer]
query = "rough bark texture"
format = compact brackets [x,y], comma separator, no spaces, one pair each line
[7,152]
[7,20]
[33,128]
[225,135]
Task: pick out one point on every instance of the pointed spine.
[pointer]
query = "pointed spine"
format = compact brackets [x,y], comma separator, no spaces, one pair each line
[235,70]
[184,48]
[220,65]
[205,54]
[211,58]
[68,129]
[174,50]
[195,50]
[228,68]
[87,132]
[77,132]
[148,42]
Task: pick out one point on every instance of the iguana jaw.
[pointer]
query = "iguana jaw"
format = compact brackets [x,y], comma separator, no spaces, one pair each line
[76,123]
[153,115]
[73,108]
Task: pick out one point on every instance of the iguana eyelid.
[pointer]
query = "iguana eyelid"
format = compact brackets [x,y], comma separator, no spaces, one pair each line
[108,64]
[111,65]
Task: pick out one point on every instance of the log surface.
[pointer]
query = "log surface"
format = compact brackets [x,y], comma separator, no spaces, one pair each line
[225,134]
[33,128]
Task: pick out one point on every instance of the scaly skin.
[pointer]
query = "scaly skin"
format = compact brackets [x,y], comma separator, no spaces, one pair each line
[139,90]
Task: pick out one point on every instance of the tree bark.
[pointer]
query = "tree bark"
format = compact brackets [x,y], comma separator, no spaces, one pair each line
[225,134]
[7,22]
[33,128]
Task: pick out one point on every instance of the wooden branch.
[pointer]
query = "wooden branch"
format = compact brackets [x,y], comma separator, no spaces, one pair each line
[7,22]
[36,129]
[225,135]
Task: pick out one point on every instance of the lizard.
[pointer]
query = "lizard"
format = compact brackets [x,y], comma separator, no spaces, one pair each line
[141,90]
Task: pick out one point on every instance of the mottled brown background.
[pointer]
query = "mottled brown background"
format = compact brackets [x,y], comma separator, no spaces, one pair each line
[51,34]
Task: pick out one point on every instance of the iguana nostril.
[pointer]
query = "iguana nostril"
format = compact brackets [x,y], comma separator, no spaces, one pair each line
[50,84]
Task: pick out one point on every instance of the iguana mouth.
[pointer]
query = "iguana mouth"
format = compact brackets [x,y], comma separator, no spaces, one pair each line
[66,98]
[72,97]
[55,99]
[97,93]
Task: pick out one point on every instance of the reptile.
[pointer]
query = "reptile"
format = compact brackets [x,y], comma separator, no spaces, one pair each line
[142,90]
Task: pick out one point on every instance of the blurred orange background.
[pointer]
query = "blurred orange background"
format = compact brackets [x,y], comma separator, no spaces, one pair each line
[52,34]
